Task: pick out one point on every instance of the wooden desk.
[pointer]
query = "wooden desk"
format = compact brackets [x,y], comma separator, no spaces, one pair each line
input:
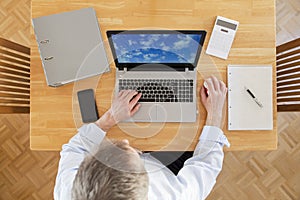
[54,118]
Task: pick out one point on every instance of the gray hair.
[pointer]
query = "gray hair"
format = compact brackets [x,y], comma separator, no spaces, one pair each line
[111,173]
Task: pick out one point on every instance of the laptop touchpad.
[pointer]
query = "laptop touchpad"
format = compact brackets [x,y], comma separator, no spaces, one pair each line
[147,112]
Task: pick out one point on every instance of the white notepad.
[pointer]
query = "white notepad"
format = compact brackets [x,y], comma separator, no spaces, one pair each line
[70,46]
[243,112]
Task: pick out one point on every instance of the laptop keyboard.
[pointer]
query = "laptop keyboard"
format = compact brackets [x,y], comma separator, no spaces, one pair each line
[160,90]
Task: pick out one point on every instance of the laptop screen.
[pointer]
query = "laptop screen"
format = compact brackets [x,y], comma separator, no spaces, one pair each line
[162,47]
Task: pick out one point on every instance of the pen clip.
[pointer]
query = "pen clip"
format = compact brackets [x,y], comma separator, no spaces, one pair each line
[253,97]
[251,94]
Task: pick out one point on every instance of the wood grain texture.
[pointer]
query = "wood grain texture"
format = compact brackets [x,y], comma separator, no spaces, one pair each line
[238,179]
[14,76]
[264,174]
[287,20]
[27,174]
[288,79]
[24,174]
[15,21]
[54,111]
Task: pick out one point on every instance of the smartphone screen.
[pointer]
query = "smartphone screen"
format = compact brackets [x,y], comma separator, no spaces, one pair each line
[87,106]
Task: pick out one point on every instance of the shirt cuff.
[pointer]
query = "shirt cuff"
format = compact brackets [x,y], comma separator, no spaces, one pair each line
[214,134]
[92,132]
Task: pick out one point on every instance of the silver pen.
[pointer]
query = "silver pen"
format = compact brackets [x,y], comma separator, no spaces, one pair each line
[253,97]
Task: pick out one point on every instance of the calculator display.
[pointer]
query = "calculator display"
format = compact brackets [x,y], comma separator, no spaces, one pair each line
[226,24]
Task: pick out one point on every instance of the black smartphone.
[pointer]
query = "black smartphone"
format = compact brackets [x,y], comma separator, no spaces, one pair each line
[87,104]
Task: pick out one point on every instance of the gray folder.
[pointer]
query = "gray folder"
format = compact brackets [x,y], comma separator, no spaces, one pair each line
[70,45]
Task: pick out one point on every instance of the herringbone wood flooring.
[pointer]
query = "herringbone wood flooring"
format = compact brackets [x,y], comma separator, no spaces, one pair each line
[287,20]
[266,174]
[26,174]
[15,20]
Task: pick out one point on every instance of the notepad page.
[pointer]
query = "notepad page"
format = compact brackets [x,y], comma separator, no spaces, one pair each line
[243,111]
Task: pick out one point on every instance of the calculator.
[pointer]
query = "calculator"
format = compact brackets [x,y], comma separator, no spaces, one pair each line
[222,37]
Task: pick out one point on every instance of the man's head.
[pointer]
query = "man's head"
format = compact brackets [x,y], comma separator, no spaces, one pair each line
[114,171]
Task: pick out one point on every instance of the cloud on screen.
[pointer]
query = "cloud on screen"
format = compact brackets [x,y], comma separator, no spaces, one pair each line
[156,48]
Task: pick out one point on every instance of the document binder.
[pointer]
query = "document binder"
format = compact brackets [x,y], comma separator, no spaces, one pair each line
[70,45]
[250,104]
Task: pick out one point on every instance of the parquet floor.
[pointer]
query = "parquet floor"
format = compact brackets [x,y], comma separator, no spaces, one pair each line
[287,20]
[267,174]
[15,20]
[26,174]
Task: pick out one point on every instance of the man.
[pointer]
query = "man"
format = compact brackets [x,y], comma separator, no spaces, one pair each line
[91,168]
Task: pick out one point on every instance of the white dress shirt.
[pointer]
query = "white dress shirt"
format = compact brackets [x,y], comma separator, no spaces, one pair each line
[194,181]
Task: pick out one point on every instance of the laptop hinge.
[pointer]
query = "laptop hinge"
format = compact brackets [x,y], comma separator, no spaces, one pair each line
[125,69]
[186,69]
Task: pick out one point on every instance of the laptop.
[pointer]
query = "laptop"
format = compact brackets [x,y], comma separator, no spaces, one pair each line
[160,64]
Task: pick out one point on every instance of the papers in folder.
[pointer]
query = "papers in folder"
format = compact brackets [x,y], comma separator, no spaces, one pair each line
[244,112]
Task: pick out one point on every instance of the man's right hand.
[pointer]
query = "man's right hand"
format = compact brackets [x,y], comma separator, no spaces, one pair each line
[124,106]
[214,102]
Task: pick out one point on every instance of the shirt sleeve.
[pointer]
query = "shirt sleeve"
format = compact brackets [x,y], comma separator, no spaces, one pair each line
[198,176]
[88,137]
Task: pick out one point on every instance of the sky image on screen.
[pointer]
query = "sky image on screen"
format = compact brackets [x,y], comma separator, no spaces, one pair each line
[156,48]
